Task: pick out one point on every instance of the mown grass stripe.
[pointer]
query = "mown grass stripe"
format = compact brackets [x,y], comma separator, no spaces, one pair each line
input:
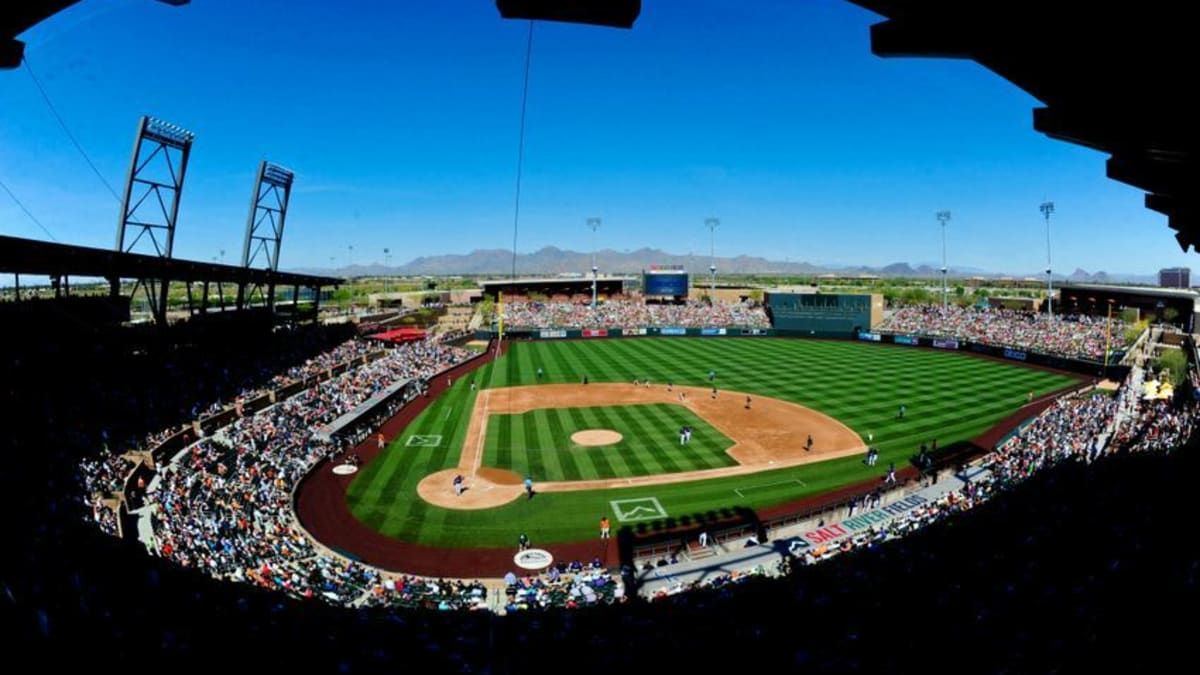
[950,396]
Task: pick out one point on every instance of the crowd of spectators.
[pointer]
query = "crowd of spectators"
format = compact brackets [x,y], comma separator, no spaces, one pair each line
[565,586]
[420,593]
[322,362]
[225,507]
[628,313]
[1069,336]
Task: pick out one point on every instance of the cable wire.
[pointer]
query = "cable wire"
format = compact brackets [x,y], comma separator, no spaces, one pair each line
[62,123]
[521,148]
[31,216]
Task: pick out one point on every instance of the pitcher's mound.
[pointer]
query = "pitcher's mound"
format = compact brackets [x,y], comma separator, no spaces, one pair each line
[592,437]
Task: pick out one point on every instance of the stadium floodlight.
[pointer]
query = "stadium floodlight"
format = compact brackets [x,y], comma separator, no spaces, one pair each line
[387,262]
[594,224]
[943,218]
[167,133]
[711,224]
[1047,208]
[277,175]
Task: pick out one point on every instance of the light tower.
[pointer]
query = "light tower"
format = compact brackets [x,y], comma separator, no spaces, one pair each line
[387,262]
[711,224]
[943,218]
[593,225]
[1047,208]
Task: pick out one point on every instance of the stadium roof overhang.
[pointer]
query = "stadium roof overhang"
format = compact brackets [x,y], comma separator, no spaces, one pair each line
[612,13]
[29,256]
[1150,291]
[18,16]
[1117,78]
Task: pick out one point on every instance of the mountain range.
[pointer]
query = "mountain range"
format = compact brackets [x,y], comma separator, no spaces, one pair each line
[553,261]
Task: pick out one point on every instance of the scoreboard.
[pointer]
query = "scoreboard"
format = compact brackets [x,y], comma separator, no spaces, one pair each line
[665,282]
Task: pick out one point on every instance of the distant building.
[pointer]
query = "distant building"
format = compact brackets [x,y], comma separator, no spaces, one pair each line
[1175,277]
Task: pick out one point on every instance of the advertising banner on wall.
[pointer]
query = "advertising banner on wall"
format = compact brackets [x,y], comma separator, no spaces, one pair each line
[552,333]
[1015,354]
[712,331]
[907,340]
[754,331]
[634,331]
[946,344]
[672,331]
[869,337]
[595,332]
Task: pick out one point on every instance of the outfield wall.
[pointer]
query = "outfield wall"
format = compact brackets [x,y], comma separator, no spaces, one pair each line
[653,331]
[1095,369]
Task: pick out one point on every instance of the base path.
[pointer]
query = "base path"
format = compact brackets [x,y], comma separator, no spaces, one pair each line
[770,434]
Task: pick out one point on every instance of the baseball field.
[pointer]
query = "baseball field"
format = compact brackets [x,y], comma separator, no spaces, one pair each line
[610,448]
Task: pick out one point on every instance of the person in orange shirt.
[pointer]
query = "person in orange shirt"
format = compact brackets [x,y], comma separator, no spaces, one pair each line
[604,527]
[379,440]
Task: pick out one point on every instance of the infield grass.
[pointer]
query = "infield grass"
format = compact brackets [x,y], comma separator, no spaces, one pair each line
[538,443]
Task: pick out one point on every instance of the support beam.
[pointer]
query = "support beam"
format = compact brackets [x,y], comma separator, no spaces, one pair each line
[268,211]
[153,190]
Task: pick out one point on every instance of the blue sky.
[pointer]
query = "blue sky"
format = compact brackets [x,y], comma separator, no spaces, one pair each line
[402,129]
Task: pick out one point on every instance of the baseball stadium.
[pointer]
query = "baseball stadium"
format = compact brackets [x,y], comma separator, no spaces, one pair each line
[513,461]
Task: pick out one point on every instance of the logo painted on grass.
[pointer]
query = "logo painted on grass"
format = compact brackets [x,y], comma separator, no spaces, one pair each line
[429,441]
[642,508]
[533,559]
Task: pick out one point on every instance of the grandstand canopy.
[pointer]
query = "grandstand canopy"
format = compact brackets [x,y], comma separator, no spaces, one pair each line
[30,256]
[551,286]
[1094,299]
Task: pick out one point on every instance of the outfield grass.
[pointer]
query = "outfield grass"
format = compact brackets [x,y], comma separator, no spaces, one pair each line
[949,396]
[538,443]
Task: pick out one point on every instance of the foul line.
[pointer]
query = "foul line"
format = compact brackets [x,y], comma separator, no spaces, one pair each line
[477,461]
[755,487]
